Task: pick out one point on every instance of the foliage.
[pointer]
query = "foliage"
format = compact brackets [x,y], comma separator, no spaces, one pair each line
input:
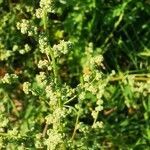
[74,74]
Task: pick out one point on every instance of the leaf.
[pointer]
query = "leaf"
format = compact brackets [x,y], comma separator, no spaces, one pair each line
[147,54]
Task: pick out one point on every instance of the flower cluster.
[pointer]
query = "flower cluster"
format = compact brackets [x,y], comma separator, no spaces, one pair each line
[9,78]
[61,48]
[138,85]
[26,87]
[54,140]
[24,50]
[58,49]
[98,124]
[45,64]
[4,53]
[52,96]
[41,78]
[46,4]
[96,60]
[43,44]
[142,88]
[23,26]
[55,118]
[39,13]
[26,27]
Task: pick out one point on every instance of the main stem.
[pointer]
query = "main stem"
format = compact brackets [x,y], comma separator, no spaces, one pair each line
[54,66]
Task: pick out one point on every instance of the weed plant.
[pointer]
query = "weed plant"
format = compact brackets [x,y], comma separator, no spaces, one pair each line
[74,74]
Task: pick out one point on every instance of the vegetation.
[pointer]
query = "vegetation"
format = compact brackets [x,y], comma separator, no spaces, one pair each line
[74,74]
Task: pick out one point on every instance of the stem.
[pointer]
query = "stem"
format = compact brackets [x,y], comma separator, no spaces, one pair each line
[107,112]
[135,78]
[54,66]
[70,99]
[45,20]
[51,58]
[75,128]
[45,130]
[95,118]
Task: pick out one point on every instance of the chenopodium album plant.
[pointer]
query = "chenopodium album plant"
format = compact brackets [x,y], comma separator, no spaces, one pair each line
[59,97]
[61,105]
[64,105]
[59,114]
